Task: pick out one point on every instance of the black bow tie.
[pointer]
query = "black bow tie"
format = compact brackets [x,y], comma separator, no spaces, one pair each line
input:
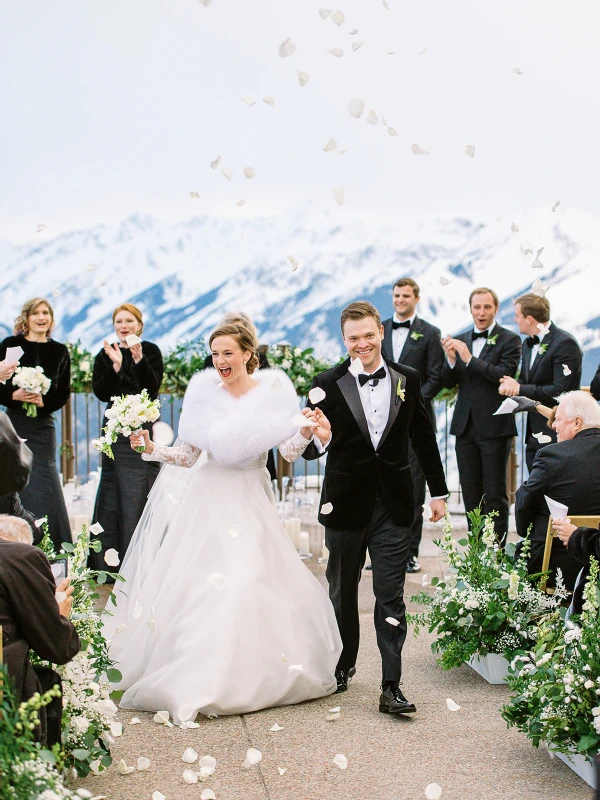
[396,325]
[531,340]
[375,377]
[480,335]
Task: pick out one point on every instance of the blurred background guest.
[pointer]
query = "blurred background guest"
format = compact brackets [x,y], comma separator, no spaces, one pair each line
[126,481]
[240,318]
[43,496]
[15,467]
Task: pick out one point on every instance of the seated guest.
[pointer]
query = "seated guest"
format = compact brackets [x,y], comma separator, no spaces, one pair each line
[15,466]
[563,471]
[595,384]
[34,616]
[582,544]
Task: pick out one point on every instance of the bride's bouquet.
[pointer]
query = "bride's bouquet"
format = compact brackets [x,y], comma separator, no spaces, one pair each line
[127,414]
[31,379]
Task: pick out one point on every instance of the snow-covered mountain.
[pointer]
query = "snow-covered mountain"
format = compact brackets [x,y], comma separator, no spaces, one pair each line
[186,275]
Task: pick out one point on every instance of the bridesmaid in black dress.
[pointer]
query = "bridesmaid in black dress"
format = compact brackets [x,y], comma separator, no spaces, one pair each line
[125,482]
[43,496]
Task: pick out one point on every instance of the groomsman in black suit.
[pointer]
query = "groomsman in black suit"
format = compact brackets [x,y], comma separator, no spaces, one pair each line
[374,406]
[550,366]
[475,362]
[408,339]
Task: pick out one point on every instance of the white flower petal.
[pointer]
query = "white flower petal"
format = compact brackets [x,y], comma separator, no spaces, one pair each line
[433,791]
[55,292]
[217,580]
[518,71]
[338,17]
[253,756]
[276,727]
[283,658]
[135,721]
[355,367]
[452,706]
[422,52]
[537,287]
[249,172]
[151,625]
[282,770]
[116,728]
[208,794]
[111,557]
[234,531]
[566,370]
[392,132]
[336,51]
[543,329]
[295,668]
[356,46]
[195,195]
[250,101]
[418,151]
[123,769]
[96,528]
[427,512]
[333,717]
[208,762]
[340,761]
[85,793]
[470,150]
[326,508]
[353,32]
[331,145]
[227,173]
[132,339]
[39,522]
[214,164]
[392,621]
[269,101]
[556,205]
[529,251]
[293,261]
[143,764]
[240,203]
[372,118]
[339,195]
[189,776]
[324,12]
[542,438]
[316,395]
[60,597]
[162,433]
[40,228]
[514,227]
[444,281]
[303,78]
[189,755]
[287,48]
[161,717]
[385,4]
[356,106]
[172,499]
[424,581]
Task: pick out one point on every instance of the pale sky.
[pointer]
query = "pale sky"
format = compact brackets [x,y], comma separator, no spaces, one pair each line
[119,106]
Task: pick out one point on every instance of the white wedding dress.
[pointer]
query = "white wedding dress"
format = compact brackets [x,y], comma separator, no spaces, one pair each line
[218,613]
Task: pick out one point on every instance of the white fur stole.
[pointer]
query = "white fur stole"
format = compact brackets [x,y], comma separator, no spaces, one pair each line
[236,430]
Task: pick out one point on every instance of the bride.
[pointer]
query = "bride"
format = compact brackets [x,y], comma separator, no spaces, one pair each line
[218,614]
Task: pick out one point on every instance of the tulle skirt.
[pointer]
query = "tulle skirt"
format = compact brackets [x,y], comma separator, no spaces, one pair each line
[223,617]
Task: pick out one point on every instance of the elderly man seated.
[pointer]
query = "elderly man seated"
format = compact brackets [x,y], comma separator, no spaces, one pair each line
[568,472]
[34,616]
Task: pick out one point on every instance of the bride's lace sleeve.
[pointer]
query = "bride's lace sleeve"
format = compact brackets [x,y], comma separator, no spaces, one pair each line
[293,448]
[184,455]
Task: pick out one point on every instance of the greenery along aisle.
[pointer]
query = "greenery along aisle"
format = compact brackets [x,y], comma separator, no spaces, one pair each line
[88,711]
[300,366]
[487,602]
[556,686]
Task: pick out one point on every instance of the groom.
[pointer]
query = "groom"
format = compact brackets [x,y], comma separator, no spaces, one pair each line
[367,498]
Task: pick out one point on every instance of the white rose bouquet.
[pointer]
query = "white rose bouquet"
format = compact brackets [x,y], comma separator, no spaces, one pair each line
[127,414]
[31,379]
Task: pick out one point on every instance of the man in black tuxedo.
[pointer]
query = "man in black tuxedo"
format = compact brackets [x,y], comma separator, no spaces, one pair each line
[475,362]
[374,406]
[409,340]
[550,366]
[15,466]
[566,472]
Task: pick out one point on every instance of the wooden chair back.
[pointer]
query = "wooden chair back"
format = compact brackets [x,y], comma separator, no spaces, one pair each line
[590,521]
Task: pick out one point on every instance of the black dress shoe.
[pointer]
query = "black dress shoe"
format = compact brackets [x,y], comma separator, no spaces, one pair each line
[392,701]
[413,565]
[342,677]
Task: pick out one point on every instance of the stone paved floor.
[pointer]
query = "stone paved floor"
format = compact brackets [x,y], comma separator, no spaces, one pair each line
[470,753]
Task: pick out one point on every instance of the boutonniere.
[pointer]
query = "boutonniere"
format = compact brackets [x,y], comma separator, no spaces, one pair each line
[543,348]
[491,340]
[400,394]
[416,336]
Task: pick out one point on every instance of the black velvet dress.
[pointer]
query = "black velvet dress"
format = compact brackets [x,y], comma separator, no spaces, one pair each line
[125,482]
[43,496]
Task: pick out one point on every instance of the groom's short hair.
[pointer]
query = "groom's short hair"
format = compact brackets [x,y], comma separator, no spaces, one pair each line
[359,310]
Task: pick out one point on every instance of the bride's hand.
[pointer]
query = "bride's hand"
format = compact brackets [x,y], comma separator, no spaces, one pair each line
[307,432]
[323,429]
[140,438]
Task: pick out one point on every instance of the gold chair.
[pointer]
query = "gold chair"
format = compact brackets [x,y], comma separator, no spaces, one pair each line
[580,521]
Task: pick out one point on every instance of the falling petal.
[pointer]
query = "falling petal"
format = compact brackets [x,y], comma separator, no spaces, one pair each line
[356,107]
[427,512]
[444,281]
[249,172]
[336,51]
[40,228]
[208,794]
[214,164]
[338,17]
[537,264]
[341,152]
[316,395]
[542,438]
[452,706]
[269,101]
[135,721]
[234,531]
[303,78]
[60,597]
[227,172]
[331,145]
[172,499]
[418,151]
[195,195]
[276,728]
[91,267]
[433,791]
[422,52]
[283,658]
[556,205]
[162,433]
[392,621]
[293,261]
[250,101]
[151,625]
[287,48]
[372,118]
[39,522]
[324,12]
[355,367]
[340,761]
[518,71]
[338,196]
[543,329]
[566,370]
[189,755]
[392,132]
[326,508]
[217,580]
[189,776]
[353,32]
[253,756]
[240,203]
[295,668]
[143,764]
[111,557]
[424,581]
[540,251]
[123,769]
[514,227]
[96,528]
[537,287]
[282,770]
[206,3]
[55,292]
[470,150]
[356,46]
[529,252]
[384,3]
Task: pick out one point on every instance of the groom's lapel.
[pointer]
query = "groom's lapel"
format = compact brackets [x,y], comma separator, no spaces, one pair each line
[348,388]
[395,401]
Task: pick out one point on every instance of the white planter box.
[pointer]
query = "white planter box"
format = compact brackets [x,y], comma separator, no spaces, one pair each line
[581,765]
[493,668]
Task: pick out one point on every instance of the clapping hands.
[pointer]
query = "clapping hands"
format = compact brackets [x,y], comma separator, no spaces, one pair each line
[113,351]
[455,347]
[322,427]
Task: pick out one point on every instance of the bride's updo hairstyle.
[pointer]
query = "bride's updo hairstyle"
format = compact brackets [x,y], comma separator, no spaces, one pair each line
[245,340]
[22,321]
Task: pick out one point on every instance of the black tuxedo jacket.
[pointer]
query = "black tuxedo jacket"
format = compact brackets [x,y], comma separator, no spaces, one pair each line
[583,545]
[355,471]
[478,384]
[423,353]
[545,379]
[565,472]
[595,385]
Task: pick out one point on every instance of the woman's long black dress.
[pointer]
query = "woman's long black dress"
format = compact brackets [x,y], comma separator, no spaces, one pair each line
[126,481]
[43,495]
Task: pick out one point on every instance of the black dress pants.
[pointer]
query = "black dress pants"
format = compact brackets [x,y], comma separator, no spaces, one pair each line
[482,472]
[419,488]
[389,546]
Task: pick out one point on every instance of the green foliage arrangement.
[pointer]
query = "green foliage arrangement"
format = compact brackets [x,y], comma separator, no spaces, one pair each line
[180,364]
[300,366]
[82,366]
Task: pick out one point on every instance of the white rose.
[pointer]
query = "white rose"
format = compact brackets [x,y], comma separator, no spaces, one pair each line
[85,366]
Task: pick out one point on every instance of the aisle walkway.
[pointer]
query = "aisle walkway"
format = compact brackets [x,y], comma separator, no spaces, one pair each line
[469,753]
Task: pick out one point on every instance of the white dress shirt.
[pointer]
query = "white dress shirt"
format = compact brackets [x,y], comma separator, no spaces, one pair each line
[536,348]
[376,403]
[400,335]
[478,344]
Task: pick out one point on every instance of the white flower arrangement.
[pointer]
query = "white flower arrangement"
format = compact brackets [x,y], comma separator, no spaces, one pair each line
[128,413]
[31,379]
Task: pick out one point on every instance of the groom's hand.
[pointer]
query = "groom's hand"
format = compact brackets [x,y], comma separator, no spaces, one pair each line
[438,510]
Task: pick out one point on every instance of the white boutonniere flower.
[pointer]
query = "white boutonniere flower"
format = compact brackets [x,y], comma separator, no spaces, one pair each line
[400,394]
[416,336]
[491,340]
